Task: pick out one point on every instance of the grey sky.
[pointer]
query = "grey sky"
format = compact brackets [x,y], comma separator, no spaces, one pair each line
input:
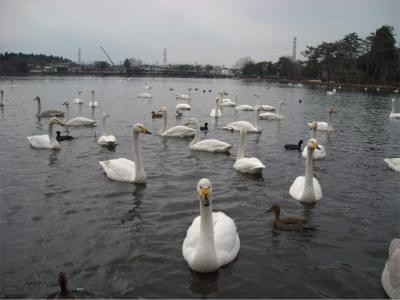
[204,31]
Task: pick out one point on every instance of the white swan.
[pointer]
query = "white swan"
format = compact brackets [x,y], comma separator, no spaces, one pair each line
[330,93]
[176,131]
[391,273]
[183,96]
[250,128]
[263,107]
[212,240]
[323,126]
[46,141]
[226,102]
[47,113]
[183,106]
[78,100]
[317,153]
[216,112]
[273,116]
[393,114]
[307,188]
[243,107]
[105,139]
[243,164]
[145,95]
[393,163]
[78,121]
[209,145]
[1,98]
[93,103]
[125,170]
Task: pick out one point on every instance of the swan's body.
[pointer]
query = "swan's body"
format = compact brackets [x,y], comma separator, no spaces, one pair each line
[320,151]
[393,114]
[307,188]
[78,100]
[212,240]
[176,131]
[243,107]
[183,106]
[391,273]
[106,139]
[145,95]
[246,165]
[209,145]
[125,170]
[393,163]
[93,103]
[323,126]
[47,113]
[271,115]
[263,107]
[250,128]
[46,141]
[225,102]
[330,93]
[183,96]
[1,98]
[78,121]
[216,112]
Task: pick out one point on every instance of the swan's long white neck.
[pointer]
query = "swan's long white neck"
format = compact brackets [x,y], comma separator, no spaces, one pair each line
[256,120]
[196,136]
[308,191]
[93,97]
[240,154]
[140,175]
[165,122]
[393,105]
[258,103]
[51,135]
[237,100]
[66,113]
[205,246]
[216,107]
[104,125]
[279,109]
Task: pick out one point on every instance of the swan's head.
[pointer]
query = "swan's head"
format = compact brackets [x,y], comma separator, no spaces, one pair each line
[314,125]
[281,103]
[56,121]
[37,98]
[139,128]
[105,115]
[257,95]
[204,189]
[163,109]
[313,144]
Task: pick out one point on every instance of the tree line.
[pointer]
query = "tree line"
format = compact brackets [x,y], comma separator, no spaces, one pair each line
[351,60]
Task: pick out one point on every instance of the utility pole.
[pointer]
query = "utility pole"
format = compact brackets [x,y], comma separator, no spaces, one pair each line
[294,48]
[165,56]
[79,56]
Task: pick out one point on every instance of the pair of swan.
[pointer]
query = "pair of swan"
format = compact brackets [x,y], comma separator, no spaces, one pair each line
[47,113]
[176,131]
[46,141]
[212,240]
[271,115]
[106,139]
[125,170]
[307,188]
[243,164]
[209,145]
[78,100]
[320,151]
[78,121]
[393,114]
[250,128]
[93,103]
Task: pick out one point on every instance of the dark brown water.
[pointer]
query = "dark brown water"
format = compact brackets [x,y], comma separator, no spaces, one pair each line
[118,240]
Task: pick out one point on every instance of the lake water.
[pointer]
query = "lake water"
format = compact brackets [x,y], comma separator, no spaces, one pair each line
[119,240]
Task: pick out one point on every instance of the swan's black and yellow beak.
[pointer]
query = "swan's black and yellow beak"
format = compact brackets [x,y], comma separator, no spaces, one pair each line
[316,146]
[205,196]
[144,130]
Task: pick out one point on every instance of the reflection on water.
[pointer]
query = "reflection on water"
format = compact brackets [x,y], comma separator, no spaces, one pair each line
[204,284]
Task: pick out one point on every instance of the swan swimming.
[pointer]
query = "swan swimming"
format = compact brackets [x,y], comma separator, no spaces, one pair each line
[320,151]
[216,112]
[212,239]
[263,107]
[307,188]
[47,113]
[105,139]
[78,100]
[244,107]
[46,141]
[323,126]
[391,273]
[183,96]
[246,165]
[176,131]
[393,163]
[226,102]
[250,128]
[78,121]
[393,114]
[271,115]
[93,103]
[125,170]
[209,145]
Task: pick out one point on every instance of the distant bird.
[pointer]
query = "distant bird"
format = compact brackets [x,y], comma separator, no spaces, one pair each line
[64,293]
[78,100]
[60,137]
[396,91]
[196,89]
[209,91]
[171,89]
[300,100]
[205,127]
[366,89]
[204,91]
[178,114]
[155,115]
[294,147]
[378,89]
[288,224]
[93,103]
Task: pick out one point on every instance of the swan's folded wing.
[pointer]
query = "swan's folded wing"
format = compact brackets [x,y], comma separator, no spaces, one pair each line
[317,189]
[212,144]
[190,241]
[248,164]
[120,169]
[226,238]
[39,141]
[179,131]
[296,190]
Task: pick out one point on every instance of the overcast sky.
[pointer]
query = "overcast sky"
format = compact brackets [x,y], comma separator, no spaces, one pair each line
[213,32]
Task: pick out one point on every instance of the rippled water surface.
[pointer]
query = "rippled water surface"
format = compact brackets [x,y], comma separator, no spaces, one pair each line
[119,240]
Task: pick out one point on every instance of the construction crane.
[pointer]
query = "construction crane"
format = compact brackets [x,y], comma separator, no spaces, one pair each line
[109,58]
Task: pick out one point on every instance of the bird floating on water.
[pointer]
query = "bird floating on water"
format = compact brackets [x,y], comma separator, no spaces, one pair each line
[287,224]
